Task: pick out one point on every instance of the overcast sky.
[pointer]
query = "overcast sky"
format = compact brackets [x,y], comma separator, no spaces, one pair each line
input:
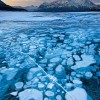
[31,2]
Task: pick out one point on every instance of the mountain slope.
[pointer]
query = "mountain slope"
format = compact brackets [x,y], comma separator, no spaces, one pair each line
[3,6]
[82,3]
[68,5]
[31,8]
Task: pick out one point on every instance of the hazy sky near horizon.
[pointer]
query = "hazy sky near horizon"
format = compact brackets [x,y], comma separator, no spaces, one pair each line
[31,2]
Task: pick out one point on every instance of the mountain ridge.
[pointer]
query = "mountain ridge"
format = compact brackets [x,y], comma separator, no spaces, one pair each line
[4,6]
[56,6]
[67,5]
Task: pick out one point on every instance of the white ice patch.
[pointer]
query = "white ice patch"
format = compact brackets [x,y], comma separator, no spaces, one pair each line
[29,94]
[0,31]
[87,61]
[19,85]
[14,93]
[77,94]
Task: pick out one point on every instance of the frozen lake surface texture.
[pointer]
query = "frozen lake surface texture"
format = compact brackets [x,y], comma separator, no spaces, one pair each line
[49,56]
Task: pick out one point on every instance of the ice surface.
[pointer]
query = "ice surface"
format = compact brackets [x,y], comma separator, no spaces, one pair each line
[19,85]
[18,16]
[77,94]
[64,45]
[77,83]
[88,75]
[14,93]
[10,73]
[49,93]
[76,57]
[58,97]
[30,94]
[87,61]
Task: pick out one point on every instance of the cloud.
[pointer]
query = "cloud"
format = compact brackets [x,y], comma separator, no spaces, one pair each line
[31,2]
[25,2]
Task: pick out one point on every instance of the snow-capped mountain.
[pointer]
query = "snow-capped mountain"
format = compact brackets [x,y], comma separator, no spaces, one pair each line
[82,3]
[67,5]
[4,6]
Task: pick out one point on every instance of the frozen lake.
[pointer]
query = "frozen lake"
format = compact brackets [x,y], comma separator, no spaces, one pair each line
[88,22]
[71,23]
[64,45]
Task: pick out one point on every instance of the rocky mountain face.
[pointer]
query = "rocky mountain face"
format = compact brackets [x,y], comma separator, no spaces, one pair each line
[4,6]
[68,5]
